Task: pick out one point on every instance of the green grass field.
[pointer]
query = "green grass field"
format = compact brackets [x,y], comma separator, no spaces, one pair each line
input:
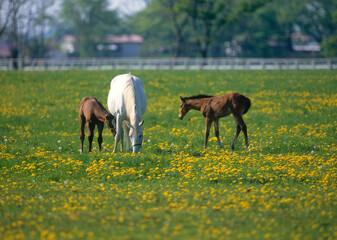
[283,187]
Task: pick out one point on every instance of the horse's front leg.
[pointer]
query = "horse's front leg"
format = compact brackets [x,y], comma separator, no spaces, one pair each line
[208,127]
[127,138]
[119,134]
[100,127]
[216,130]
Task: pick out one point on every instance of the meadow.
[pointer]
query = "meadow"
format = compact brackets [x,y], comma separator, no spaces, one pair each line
[284,186]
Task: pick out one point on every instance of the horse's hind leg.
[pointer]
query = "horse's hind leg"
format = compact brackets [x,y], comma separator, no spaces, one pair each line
[100,127]
[216,130]
[208,127]
[238,130]
[240,125]
[82,135]
[91,128]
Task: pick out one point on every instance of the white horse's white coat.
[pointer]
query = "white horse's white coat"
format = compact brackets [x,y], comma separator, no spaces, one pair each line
[127,102]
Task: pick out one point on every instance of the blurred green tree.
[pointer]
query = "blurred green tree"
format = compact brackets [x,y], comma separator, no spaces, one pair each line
[318,19]
[89,21]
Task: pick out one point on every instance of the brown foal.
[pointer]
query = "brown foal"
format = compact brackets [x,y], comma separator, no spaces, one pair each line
[92,112]
[215,107]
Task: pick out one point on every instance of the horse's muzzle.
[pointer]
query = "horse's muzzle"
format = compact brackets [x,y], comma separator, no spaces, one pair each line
[136,147]
[181,117]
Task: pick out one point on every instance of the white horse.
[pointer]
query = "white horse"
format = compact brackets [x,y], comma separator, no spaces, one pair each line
[127,102]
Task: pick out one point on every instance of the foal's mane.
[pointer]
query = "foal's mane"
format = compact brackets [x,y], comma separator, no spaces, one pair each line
[100,104]
[199,96]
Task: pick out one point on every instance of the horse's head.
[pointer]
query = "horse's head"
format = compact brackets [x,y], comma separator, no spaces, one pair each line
[136,135]
[184,108]
[110,121]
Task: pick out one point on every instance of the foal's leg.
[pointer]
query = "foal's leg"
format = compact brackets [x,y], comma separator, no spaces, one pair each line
[216,130]
[82,134]
[100,126]
[208,127]
[238,130]
[91,128]
[240,125]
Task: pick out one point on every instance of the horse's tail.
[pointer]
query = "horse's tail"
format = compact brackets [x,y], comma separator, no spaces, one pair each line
[248,104]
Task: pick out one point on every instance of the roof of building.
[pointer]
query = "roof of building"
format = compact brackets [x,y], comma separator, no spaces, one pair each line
[124,38]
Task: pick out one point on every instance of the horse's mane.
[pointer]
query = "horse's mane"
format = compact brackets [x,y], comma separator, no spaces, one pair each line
[199,96]
[101,105]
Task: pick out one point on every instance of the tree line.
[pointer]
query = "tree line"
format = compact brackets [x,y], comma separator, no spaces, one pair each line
[172,28]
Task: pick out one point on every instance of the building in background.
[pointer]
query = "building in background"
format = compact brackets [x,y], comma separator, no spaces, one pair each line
[4,49]
[121,46]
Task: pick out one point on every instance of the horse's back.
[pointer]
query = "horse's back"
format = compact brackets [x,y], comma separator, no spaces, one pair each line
[88,107]
[140,93]
[84,104]
[122,88]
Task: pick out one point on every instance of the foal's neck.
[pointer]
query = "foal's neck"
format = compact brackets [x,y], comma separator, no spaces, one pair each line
[196,104]
[100,114]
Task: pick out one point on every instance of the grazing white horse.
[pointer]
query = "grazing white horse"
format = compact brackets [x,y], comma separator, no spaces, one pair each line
[127,102]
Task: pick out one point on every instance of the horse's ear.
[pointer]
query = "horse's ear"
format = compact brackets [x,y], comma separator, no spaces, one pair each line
[141,123]
[182,99]
[128,124]
[109,117]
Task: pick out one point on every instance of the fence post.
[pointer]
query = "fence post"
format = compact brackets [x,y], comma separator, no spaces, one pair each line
[330,64]
[263,64]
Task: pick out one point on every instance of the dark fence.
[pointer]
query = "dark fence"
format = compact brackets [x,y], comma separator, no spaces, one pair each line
[169,64]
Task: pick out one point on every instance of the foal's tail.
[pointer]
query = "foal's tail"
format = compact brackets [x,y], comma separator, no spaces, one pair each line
[248,104]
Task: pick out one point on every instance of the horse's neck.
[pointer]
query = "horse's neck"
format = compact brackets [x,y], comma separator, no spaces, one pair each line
[134,116]
[100,114]
[196,104]
[133,109]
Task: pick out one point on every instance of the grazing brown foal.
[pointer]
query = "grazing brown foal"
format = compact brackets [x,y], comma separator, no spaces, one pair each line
[215,107]
[92,112]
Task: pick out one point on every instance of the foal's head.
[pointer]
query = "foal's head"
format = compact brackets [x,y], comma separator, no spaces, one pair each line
[110,121]
[184,108]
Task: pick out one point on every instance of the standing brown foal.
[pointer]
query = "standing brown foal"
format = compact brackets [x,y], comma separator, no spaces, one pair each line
[92,112]
[215,107]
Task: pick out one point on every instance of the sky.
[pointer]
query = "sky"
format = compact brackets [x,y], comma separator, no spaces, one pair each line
[124,7]
[128,7]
